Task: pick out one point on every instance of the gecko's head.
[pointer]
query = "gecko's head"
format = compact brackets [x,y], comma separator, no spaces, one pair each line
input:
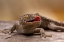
[30,18]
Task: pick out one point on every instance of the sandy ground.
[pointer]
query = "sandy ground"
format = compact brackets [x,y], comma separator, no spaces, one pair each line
[56,36]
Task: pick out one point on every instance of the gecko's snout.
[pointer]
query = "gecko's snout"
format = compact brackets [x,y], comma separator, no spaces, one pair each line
[37,18]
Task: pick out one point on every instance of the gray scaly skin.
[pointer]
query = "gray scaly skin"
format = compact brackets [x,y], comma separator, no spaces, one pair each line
[25,25]
[47,23]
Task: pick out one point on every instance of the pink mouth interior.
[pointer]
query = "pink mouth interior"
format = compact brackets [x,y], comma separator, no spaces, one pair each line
[37,18]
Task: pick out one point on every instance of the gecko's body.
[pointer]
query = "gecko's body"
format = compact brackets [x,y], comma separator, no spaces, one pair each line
[34,23]
[28,24]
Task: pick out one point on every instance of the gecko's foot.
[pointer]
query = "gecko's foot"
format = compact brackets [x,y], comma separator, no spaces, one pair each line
[47,35]
[7,37]
[5,31]
[59,30]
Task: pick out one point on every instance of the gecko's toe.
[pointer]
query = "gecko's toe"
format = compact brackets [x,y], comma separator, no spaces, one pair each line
[5,31]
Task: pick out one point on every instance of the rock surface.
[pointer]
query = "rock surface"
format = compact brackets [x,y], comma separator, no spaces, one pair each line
[56,36]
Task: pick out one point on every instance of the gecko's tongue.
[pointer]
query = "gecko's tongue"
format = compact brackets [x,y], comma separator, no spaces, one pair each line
[37,18]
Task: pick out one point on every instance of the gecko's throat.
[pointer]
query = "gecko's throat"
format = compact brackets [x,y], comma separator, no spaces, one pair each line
[36,19]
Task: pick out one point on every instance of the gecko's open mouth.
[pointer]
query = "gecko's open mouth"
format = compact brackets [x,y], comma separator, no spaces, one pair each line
[36,19]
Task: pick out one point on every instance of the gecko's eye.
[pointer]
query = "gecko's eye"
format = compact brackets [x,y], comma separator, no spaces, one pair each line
[37,14]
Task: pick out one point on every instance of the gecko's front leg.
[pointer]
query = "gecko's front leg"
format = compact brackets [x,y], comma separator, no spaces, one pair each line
[6,31]
[9,31]
[42,32]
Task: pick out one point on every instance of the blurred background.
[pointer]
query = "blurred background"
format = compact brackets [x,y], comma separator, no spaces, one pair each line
[12,9]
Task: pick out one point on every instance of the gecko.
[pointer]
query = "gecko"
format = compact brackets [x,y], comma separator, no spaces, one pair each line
[28,24]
